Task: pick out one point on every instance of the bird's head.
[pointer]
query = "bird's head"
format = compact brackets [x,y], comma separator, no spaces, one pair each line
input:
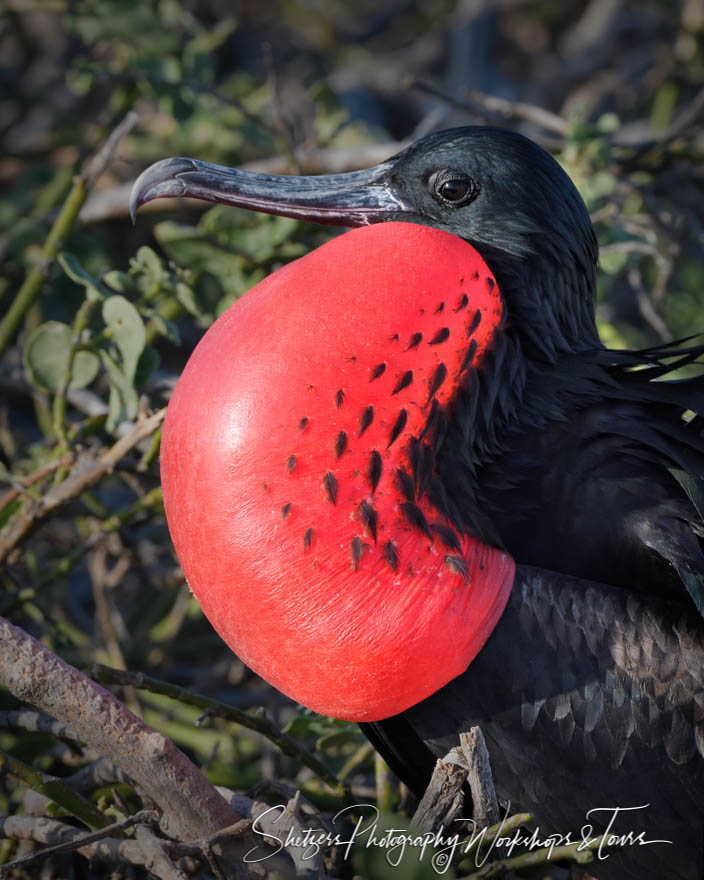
[494,188]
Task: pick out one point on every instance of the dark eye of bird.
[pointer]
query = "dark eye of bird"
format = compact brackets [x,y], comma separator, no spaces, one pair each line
[455,189]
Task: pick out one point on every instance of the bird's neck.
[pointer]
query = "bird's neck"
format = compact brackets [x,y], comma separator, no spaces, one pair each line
[550,298]
[526,380]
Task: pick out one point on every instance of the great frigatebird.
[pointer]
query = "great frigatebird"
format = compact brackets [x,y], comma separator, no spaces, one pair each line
[582,463]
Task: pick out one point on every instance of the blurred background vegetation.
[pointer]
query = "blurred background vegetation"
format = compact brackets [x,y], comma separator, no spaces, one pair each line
[97,317]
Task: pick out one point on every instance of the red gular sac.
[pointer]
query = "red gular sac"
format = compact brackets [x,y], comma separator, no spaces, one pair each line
[297,449]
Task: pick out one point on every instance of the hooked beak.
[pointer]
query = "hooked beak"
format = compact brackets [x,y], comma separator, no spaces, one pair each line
[355,198]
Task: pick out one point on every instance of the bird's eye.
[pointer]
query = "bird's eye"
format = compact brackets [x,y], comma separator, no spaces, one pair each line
[453,188]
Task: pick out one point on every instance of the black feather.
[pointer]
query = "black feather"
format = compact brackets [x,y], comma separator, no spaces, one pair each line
[457,564]
[447,535]
[376,466]
[436,380]
[416,518]
[398,426]
[340,443]
[403,381]
[442,335]
[462,303]
[331,486]
[391,555]
[474,323]
[366,420]
[405,485]
[369,518]
[468,357]
[357,549]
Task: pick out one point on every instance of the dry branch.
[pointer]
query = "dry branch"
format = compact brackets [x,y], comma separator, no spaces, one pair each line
[494,109]
[191,806]
[443,799]
[90,469]
[258,722]
[485,807]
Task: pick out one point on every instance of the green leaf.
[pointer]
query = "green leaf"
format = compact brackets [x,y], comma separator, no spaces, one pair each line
[165,327]
[128,331]
[120,282]
[148,264]
[46,358]
[612,262]
[186,296]
[300,726]
[337,739]
[124,402]
[71,266]
[148,362]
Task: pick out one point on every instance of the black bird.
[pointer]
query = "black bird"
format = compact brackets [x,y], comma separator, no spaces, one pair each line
[586,465]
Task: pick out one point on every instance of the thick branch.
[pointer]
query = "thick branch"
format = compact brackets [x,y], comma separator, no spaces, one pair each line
[191,806]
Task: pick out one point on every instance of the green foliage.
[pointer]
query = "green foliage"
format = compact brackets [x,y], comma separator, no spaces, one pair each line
[46,358]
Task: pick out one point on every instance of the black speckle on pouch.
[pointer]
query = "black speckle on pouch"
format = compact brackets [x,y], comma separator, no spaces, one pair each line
[340,443]
[377,371]
[331,486]
[403,381]
[441,336]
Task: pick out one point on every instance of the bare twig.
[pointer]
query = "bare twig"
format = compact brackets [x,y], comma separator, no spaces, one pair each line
[684,119]
[646,306]
[97,847]
[481,104]
[72,838]
[258,722]
[41,473]
[90,469]
[95,166]
[97,775]
[35,722]
[31,286]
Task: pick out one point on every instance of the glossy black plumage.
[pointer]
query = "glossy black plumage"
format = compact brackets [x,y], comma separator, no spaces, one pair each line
[580,462]
[588,697]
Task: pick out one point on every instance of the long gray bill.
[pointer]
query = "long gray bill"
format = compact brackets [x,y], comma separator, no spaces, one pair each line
[355,198]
